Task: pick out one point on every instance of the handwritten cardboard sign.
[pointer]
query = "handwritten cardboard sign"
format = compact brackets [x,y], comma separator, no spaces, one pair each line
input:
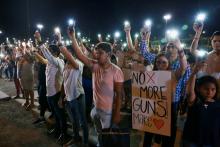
[151,101]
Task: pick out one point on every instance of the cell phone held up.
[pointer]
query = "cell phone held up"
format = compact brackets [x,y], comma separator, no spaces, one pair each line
[71,28]
[201,56]
[198,24]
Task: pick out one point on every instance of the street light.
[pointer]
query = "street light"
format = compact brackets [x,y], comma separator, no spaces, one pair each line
[0,31]
[40,26]
[167,17]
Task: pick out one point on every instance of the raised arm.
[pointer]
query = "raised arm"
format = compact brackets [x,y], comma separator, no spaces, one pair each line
[128,37]
[47,54]
[38,41]
[85,50]
[182,60]
[194,46]
[190,91]
[69,57]
[145,37]
[87,61]
[40,58]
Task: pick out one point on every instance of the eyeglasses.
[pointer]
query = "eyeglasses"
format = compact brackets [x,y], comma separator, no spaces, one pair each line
[161,62]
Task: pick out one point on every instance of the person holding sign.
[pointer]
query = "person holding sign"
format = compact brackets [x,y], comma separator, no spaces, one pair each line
[162,63]
[202,127]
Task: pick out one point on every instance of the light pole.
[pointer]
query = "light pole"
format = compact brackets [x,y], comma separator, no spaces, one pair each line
[167,17]
[40,27]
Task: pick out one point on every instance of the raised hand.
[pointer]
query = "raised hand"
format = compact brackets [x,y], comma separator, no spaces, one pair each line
[177,44]
[127,28]
[198,67]
[37,36]
[198,27]
[71,33]
[145,34]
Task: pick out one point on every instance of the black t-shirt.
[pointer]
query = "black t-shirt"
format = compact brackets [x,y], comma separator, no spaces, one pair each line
[87,73]
[41,74]
[203,123]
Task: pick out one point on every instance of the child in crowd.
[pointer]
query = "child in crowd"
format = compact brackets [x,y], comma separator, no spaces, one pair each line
[202,127]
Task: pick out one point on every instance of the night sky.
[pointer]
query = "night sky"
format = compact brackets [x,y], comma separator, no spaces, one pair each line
[19,17]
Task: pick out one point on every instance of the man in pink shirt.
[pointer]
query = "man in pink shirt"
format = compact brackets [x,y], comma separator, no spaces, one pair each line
[107,84]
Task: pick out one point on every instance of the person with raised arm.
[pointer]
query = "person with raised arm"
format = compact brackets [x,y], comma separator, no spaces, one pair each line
[107,84]
[25,72]
[163,62]
[202,127]
[74,92]
[211,58]
[54,79]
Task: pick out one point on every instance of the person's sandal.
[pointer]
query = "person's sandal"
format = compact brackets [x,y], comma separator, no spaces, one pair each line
[29,107]
[25,104]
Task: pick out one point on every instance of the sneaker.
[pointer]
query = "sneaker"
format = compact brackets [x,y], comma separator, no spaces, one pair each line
[53,133]
[25,104]
[17,96]
[73,141]
[30,107]
[51,116]
[63,139]
[39,120]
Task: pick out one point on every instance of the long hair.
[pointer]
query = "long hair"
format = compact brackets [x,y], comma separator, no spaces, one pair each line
[162,54]
[206,80]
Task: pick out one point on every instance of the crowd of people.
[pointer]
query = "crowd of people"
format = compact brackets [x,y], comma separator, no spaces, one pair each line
[78,79]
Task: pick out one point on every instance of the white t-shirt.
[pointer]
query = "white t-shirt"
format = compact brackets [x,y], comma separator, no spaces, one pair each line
[54,71]
[73,81]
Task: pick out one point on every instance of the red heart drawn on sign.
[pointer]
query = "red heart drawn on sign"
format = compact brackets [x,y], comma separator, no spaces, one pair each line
[158,123]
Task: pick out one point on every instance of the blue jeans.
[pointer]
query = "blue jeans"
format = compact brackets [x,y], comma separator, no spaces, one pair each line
[87,86]
[59,113]
[102,120]
[76,112]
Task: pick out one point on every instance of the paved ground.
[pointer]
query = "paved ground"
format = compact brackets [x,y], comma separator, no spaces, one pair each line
[16,125]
